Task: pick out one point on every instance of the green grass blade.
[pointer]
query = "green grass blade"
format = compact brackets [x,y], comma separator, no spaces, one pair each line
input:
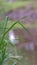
[24,28]
[4,25]
[2,43]
[10,28]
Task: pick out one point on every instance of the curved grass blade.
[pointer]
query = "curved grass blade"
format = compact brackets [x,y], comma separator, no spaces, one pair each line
[10,28]
[17,21]
[24,28]
[14,25]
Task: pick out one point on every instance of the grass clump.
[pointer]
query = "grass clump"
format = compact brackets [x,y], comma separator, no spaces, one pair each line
[3,41]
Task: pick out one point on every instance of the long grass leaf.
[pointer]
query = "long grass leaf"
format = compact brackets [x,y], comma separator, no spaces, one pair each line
[4,27]
[10,28]
[24,28]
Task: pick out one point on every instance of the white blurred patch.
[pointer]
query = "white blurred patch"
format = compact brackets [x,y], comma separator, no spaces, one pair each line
[12,38]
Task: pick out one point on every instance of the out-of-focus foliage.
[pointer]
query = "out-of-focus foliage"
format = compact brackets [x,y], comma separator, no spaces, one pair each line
[3,42]
[6,5]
